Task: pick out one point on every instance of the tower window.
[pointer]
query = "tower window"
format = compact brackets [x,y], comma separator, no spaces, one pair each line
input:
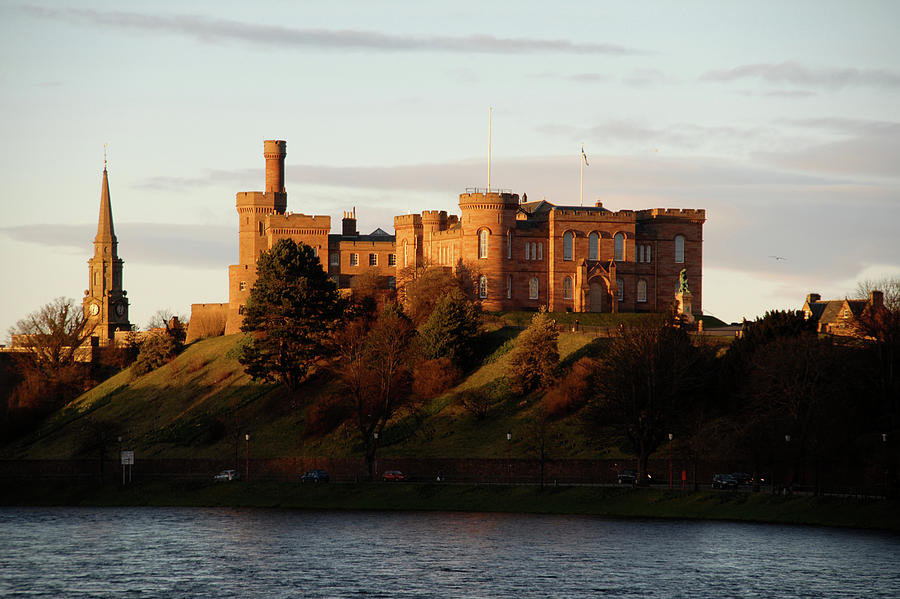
[482,243]
[260,228]
[568,242]
[242,285]
[679,249]
[509,245]
[508,286]
[619,247]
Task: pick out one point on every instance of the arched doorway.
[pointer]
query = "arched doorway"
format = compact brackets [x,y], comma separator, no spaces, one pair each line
[598,295]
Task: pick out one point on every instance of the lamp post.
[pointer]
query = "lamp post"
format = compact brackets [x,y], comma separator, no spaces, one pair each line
[247,465]
[787,468]
[509,455]
[121,465]
[670,460]
[375,458]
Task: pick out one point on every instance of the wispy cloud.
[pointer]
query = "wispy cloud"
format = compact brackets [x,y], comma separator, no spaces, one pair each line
[792,73]
[210,30]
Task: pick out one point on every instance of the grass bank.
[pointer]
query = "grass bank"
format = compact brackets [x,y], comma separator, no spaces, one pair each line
[610,502]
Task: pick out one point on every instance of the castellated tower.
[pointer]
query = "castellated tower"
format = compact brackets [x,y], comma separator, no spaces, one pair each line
[488,224]
[105,305]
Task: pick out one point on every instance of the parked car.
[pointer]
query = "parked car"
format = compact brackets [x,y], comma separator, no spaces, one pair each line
[314,476]
[627,477]
[724,481]
[393,476]
[227,475]
[742,478]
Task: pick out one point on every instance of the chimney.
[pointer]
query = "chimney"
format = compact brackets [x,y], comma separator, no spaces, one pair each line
[348,224]
[812,298]
[274,151]
[876,298]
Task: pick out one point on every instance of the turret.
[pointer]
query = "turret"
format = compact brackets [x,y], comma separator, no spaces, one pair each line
[275,152]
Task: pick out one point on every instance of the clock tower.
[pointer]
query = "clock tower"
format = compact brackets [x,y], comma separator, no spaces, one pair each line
[105,304]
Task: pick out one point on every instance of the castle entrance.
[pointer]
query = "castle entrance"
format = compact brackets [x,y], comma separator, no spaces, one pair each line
[598,293]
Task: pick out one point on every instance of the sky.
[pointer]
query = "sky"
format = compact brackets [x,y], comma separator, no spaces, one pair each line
[781,119]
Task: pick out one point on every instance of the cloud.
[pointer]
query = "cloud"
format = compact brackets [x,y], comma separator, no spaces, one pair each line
[589,77]
[210,30]
[145,243]
[792,73]
[641,78]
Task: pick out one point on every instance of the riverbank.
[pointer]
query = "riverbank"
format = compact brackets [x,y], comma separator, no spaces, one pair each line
[609,502]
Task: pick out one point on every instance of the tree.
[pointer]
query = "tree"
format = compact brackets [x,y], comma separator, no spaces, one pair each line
[373,366]
[536,355]
[421,287]
[889,286]
[646,382]
[157,350]
[49,340]
[173,324]
[451,330]
[291,312]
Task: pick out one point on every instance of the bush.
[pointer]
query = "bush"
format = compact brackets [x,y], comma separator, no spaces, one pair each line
[157,350]
[536,356]
[327,414]
[433,377]
[476,402]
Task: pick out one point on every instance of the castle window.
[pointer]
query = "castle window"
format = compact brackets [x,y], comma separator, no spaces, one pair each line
[642,291]
[568,242]
[482,286]
[533,288]
[646,253]
[640,253]
[528,250]
[509,245]
[260,228]
[354,259]
[373,259]
[405,254]
[242,285]
[392,260]
[508,286]
[335,259]
[540,248]
[619,247]
[621,285]
[679,249]
[592,245]
[567,288]
[482,243]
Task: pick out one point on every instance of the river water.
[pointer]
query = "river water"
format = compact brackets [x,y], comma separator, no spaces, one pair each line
[188,552]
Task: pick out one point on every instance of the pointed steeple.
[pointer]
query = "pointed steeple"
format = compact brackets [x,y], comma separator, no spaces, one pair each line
[105,231]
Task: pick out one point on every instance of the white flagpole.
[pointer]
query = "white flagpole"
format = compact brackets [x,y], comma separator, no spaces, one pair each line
[490,112]
[581,162]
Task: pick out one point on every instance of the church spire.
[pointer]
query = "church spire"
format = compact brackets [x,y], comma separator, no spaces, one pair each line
[105,231]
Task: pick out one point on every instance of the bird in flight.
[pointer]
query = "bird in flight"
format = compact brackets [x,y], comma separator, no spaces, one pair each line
[777,258]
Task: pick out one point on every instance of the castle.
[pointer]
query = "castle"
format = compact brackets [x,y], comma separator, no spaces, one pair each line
[523,254]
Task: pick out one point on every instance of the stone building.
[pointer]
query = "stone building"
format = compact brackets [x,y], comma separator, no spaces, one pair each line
[524,254]
[839,317]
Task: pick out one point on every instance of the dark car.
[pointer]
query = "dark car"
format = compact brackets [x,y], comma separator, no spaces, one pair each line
[227,475]
[742,478]
[393,476]
[314,476]
[627,477]
[724,481]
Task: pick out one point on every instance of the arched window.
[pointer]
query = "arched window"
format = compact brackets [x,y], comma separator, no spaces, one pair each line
[679,248]
[405,254]
[528,250]
[592,245]
[647,253]
[508,286]
[640,253]
[621,285]
[642,291]
[482,286]
[540,254]
[533,288]
[482,243]
[568,241]
[567,288]
[619,247]
[509,245]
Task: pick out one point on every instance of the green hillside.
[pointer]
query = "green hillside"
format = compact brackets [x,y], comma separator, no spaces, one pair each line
[201,404]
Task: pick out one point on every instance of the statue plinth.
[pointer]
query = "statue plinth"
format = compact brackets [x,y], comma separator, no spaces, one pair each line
[683,298]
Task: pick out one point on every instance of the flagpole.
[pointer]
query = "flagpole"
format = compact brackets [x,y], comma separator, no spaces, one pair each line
[581,162]
[490,113]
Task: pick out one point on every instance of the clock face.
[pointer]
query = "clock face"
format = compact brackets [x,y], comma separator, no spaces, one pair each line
[120,309]
[94,309]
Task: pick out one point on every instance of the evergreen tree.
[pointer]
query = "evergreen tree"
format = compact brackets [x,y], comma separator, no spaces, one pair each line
[451,330]
[536,356]
[292,310]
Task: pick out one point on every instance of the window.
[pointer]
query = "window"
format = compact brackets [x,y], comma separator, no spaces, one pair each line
[567,288]
[260,228]
[533,288]
[482,286]
[642,291]
[373,259]
[482,243]
[647,253]
[335,259]
[540,248]
[354,259]
[592,246]
[242,285]
[643,253]
[619,247]
[509,245]
[508,286]
[621,285]
[392,260]
[568,241]
[528,250]
[392,282]
[679,248]
[405,254]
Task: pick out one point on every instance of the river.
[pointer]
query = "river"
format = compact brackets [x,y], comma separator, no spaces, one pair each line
[192,552]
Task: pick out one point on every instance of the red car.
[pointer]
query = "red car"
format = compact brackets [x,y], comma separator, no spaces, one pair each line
[393,476]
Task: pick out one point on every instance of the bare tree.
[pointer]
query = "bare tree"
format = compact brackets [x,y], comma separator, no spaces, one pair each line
[52,334]
[890,286]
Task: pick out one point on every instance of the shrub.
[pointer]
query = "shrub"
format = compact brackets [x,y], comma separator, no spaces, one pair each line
[157,350]
[327,414]
[433,377]
[477,402]
[536,356]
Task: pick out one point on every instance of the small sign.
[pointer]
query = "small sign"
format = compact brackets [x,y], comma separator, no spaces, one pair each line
[128,458]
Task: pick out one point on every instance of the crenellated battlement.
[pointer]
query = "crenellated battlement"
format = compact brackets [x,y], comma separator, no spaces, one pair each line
[407,220]
[489,200]
[686,213]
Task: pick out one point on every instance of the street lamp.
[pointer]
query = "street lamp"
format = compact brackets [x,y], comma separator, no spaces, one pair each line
[247,468]
[509,455]
[375,458]
[670,460]
[787,477]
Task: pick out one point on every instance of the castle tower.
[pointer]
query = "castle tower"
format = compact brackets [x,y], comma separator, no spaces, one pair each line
[488,225]
[104,303]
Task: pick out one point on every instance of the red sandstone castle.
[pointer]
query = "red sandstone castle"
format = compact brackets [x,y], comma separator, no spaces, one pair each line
[524,254]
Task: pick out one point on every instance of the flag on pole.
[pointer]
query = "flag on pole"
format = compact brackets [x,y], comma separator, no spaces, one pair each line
[583,155]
